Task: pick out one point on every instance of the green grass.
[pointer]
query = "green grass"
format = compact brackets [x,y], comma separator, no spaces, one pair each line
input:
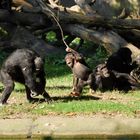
[59,85]
[107,104]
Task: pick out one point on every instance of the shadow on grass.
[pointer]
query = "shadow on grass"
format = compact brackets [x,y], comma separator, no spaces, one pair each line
[59,87]
[67,98]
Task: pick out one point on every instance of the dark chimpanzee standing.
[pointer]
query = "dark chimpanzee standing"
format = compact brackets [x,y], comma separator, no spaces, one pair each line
[26,67]
[120,63]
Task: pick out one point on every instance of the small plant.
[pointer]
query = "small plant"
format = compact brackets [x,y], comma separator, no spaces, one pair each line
[99,56]
[51,36]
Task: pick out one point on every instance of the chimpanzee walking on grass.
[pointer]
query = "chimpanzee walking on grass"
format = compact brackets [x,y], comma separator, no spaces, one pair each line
[27,67]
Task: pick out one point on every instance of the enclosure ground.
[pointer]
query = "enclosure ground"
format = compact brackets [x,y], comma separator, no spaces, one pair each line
[60,127]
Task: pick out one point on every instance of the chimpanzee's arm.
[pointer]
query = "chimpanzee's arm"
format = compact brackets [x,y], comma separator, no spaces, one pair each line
[29,78]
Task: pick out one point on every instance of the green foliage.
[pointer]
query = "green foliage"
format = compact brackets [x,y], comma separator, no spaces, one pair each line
[51,36]
[55,66]
[75,42]
[99,56]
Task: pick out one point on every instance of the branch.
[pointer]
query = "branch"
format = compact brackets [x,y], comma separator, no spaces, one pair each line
[21,18]
[92,20]
[85,7]
[22,38]
[109,39]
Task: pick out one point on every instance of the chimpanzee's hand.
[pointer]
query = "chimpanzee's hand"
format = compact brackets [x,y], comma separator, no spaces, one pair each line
[68,49]
[33,94]
[74,94]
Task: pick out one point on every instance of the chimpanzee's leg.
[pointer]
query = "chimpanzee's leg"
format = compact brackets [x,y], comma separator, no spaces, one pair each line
[9,86]
[78,88]
[40,88]
[28,94]
[29,80]
[75,82]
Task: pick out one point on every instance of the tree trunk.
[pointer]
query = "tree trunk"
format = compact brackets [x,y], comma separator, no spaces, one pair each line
[91,24]
[109,39]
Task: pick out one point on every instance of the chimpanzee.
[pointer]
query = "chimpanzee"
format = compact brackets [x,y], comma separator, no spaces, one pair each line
[120,63]
[80,69]
[135,73]
[125,82]
[27,67]
[104,79]
[100,78]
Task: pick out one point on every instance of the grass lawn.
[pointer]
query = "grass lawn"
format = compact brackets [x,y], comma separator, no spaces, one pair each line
[59,84]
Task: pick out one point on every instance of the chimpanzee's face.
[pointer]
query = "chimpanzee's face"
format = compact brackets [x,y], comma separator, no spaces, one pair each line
[69,60]
[38,64]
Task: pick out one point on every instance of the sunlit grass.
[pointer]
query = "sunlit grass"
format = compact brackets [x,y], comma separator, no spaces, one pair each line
[107,103]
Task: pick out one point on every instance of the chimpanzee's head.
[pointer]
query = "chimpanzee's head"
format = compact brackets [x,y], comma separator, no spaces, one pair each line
[125,54]
[69,58]
[38,61]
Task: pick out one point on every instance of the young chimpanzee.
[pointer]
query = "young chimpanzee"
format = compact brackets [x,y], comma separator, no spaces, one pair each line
[100,78]
[80,70]
[26,67]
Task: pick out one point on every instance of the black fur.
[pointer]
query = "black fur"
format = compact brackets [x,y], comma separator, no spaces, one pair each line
[26,67]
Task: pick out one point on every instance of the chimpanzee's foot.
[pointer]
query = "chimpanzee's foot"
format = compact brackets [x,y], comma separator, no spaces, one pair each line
[48,100]
[32,100]
[74,94]
[91,91]
[33,94]
[2,104]
[47,97]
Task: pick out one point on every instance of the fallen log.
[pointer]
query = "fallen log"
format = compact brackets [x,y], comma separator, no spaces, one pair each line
[30,19]
[95,20]
[109,39]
